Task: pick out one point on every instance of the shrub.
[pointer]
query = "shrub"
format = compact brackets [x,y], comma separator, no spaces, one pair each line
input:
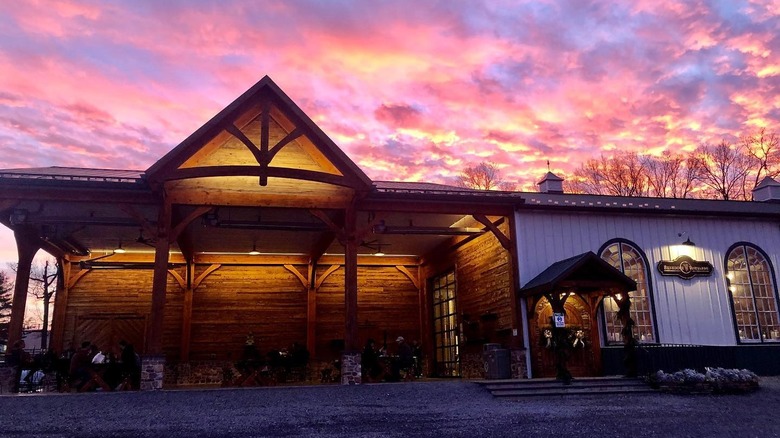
[714,380]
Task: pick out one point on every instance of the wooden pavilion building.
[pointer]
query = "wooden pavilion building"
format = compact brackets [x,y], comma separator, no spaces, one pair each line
[259,225]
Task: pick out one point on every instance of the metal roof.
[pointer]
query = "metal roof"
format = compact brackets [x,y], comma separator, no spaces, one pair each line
[101,178]
[57,173]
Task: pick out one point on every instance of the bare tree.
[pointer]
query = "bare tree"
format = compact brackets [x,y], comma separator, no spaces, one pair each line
[764,147]
[6,292]
[724,170]
[484,176]
[620,175]
[44,287]
[670,175]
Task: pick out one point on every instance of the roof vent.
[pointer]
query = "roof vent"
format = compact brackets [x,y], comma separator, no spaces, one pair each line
[551,183]
[768,190]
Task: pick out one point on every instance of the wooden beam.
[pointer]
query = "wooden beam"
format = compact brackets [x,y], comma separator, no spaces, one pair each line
[350,282]
[198,212]
[433,205]
[311,311]
[304,281]
[258,260]
[56,192]
[6,204]
[322,245]
[334,227]
[73,279]
[237,133]
[60,305]
[502,239]
[516,340]
[159,283]
[182,282]
[413,278]
[265,123]
[275,172]
[142,221]
[186,317]
[27,246]
[325,275]
[196,283]
[292,136]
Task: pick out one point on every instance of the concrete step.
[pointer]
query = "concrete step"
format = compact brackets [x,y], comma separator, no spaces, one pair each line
[571,392]
[553,387]
[521,385]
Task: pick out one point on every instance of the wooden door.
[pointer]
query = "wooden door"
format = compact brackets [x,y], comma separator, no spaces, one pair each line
[106,330]
[582,361]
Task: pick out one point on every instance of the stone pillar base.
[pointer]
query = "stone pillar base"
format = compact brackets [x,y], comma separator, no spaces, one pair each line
[351,373]
[152,373]
[517,363]
[8,379]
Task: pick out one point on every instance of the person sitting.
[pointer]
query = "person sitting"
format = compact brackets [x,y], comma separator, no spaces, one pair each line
[369,359]
[298,361]
[80,365]
[22,360]
[404,361]
[129,365]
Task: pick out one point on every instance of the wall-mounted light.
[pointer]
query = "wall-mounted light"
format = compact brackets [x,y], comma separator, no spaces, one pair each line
[119,249]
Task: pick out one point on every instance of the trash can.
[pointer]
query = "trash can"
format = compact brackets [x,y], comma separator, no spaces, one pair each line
[496,360]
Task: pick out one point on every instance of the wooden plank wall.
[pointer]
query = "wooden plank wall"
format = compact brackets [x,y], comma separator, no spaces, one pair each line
[483,276]
[268,301]
[387,303]
[116,298]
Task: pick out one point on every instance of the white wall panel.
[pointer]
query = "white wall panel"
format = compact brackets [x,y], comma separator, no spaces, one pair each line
[695,311]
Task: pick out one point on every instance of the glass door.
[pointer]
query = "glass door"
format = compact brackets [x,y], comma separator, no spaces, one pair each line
[445,326]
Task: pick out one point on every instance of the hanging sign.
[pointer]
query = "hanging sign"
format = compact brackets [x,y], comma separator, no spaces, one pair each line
[559,320]
[685,267]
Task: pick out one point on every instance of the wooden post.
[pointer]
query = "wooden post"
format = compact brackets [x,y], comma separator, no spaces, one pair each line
[160,281]
[311,311]
[186,319]
[516,341]
[60,305]
[27,247]
[350,282]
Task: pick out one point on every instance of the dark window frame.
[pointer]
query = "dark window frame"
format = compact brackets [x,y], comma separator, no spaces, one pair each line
[650,291]
[744,245]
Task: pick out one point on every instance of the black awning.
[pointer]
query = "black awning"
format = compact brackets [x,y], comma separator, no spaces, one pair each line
[583,272]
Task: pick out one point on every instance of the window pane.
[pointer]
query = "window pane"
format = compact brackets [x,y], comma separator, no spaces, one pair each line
[753,295]
[445,325]
[629,260]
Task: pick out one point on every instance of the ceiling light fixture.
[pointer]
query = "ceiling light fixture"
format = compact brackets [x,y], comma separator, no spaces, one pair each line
[119,249]
[254,250]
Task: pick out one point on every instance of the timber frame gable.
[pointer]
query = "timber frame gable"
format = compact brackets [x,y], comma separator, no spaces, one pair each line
[262,136]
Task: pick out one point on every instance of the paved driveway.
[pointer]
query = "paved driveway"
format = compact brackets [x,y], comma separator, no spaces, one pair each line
[434,409]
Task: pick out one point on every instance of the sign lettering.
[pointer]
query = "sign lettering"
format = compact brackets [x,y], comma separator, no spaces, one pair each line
[685,267]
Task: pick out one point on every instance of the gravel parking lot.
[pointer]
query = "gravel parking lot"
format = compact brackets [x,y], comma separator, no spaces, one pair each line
[426,408]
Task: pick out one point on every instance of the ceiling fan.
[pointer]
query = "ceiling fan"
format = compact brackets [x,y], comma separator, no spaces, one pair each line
[143,240]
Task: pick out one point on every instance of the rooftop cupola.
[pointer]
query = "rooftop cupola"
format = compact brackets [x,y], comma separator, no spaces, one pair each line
[768,190]
[551,183]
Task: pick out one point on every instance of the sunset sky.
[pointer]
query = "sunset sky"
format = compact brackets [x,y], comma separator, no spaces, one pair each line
[410,90]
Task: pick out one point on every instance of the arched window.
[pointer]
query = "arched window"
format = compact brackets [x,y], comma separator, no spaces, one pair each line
[753,294]
[625,257]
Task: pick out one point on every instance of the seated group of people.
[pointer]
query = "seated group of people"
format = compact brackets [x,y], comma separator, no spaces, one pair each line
[286,364]
[377,365]
[88,368]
